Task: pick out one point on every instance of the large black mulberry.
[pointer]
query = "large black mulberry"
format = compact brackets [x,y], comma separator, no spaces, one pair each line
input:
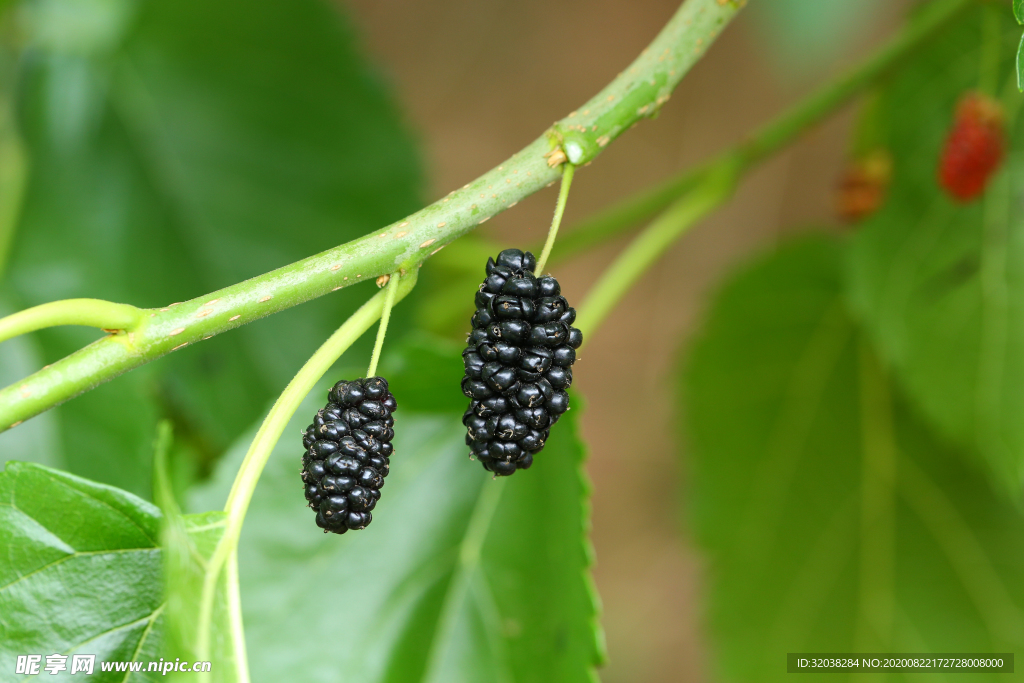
[518,363]
[348,450]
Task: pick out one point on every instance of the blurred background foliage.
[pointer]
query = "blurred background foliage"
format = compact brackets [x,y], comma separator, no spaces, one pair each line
[176,148]
[848,477]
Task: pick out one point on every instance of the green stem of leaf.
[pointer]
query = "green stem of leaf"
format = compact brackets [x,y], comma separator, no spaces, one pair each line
[263,444]
[772,137]
[639,91]
[104,315]
[13,177]
[163,492]
[385,317]
[615,281]
[563,197]
[711,186]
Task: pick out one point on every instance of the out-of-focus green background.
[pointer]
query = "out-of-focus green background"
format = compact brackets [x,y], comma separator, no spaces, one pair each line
[435,94]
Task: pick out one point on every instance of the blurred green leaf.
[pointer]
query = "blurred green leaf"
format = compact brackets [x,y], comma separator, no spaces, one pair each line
[834,522]
[420,370]
[1018,11]
[804,38]
[940,285]
[459,577]
[448,283]
[80,570]
[178,147]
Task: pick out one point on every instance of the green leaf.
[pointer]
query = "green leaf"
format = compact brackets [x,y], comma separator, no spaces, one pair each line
[940,285]
[833,520]
[459,577]
[1018,11]
[188,543]
[803,39]
[80,572]
[420,370]
[177,147]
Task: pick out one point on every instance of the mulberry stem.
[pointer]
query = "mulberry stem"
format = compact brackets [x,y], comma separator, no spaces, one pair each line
[648,247]
[385,317]
[266,439]
[563,197]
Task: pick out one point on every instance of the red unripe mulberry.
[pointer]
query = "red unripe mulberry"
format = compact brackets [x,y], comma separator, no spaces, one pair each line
[863,186]
[974,148]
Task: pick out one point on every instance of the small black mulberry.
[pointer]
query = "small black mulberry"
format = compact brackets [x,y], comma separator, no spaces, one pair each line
[518,363]
[348,450]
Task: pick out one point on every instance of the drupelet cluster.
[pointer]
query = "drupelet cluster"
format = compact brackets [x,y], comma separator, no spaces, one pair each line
[975,147]
[348,447]
[518,363]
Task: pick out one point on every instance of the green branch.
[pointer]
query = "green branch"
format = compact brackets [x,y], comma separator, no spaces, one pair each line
[638,92]
[266,439]
[104,315]
[705,190]
[778,133]
[714,190]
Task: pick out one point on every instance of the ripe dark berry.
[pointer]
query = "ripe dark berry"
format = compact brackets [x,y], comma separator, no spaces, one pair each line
[975,147]
[517,363]
[347,451]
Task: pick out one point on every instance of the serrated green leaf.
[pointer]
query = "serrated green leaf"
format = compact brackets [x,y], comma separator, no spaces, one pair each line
[459,577]
[80,572]
[939,284]
[188,543]
[1018,11]
[178,147]
[833,520]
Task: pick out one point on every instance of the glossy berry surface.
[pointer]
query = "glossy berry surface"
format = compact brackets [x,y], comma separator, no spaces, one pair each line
[518,362]
[974,148]
[348,450]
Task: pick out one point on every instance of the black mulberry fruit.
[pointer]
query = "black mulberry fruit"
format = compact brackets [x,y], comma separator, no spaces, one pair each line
[517,363]
[348,447]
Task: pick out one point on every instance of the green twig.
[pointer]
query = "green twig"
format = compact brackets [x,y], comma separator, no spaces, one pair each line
[385,317]
[625,214]
[563,197]
[642,252]
[105,315]
[712,187]
[637,93]
[263,444]
[769,139]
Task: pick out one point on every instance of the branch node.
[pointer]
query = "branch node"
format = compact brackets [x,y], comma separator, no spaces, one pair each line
[556,157]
